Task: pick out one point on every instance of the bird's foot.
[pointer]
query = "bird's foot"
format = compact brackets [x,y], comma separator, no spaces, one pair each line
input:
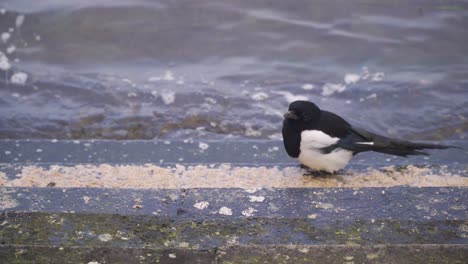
[317,173]
[320,173]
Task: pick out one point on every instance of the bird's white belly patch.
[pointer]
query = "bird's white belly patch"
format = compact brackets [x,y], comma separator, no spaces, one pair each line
[312,157]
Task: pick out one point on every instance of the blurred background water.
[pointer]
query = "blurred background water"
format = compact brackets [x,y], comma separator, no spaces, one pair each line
[141,69]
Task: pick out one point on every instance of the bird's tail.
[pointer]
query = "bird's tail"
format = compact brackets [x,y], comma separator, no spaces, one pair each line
[394,146]
[405,148]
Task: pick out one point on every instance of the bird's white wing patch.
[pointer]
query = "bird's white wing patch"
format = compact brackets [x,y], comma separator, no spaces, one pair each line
[316,139]
[365,143]
[311,143]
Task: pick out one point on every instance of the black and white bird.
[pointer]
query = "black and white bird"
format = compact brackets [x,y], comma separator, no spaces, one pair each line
[325,142]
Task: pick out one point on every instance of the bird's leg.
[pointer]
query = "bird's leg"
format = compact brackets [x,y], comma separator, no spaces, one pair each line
[317,173]
[320,173]
[341,172]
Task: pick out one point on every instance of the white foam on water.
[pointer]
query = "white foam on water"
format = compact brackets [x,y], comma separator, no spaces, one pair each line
[365,73]
[351,78]
[19,78]
[272,149]
[5,36]
[307,86]
[331,88]
[210,100]
[19,20]
[168,76]
[378,77]
[181,81]
[252,132]
[154,79]
[276,136]
[268,110]
[11,49]
[168,97]
[290,97]
[260,96]
[4,62]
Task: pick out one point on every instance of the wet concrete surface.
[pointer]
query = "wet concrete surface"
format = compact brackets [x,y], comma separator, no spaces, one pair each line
[399,224]
[189,151]
[323,205]
[329,254]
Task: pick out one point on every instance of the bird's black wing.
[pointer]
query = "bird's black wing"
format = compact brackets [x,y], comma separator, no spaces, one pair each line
[360,140]
[333,125]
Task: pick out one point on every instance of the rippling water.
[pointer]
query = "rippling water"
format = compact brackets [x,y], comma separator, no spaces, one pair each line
[219,69]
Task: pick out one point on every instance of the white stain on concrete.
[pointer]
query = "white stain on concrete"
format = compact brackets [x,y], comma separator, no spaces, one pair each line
[249,212]
[105,237]
[256,199]
[324,206]
[201,205]
[312,216]
[203,146]
[225,211]
[252,190]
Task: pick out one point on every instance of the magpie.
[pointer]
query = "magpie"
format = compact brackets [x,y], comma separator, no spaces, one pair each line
[325,142]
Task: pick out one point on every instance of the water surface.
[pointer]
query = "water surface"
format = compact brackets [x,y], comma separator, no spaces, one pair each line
[228,69]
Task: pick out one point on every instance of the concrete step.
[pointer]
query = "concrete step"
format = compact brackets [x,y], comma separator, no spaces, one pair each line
[97,202]
[308,254]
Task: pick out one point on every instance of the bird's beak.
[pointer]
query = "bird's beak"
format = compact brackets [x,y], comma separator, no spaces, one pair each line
[291,115]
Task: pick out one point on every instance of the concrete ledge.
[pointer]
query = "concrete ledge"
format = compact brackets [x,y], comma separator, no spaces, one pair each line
[170,219]
[319,204]
[150,231]
[235,151]
[332,254]
[297,254]
[38,254]
[235,217]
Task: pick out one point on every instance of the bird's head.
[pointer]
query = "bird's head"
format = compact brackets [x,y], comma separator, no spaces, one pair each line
[302,112]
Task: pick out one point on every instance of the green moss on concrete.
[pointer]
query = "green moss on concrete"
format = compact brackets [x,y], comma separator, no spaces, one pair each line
[151,231]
